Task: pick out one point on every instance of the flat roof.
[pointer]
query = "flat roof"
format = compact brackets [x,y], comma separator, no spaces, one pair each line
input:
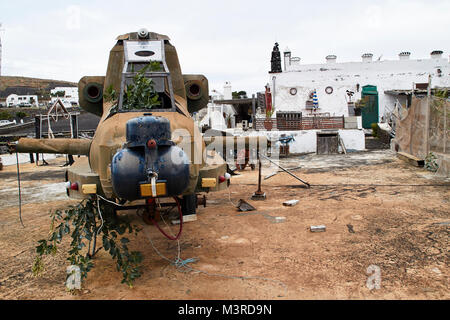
[235,101]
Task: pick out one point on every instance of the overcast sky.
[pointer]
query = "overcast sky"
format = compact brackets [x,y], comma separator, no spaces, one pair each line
[224,40]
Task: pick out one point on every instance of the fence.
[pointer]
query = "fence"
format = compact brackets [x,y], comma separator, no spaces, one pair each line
[308,123]
[439,130]
[425,128]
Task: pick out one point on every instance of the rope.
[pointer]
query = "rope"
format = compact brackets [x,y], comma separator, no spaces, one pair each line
[182,265]
[20,192]
[173,238]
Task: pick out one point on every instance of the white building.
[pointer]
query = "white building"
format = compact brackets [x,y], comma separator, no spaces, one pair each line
[22,100]
[70,96]
[292,89]
[218,115]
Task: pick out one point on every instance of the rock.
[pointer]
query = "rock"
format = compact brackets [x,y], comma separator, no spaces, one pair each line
[291,203]
[318,228]
[280,219]
[437,271]
[244,206]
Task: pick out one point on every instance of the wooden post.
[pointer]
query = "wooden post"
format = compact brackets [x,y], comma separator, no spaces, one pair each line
[427,117]
[37,125]
[445,127]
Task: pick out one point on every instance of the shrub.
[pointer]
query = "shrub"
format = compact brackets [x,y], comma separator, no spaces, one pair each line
[4,115]
[374,129]
[21,115]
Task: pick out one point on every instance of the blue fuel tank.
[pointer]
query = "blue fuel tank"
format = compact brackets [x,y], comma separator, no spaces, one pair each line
[139,159]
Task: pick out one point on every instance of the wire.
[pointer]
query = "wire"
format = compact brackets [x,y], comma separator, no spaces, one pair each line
[181,224]
[100,214]
[116,204]
[154,222]
[20,192]
[182,266]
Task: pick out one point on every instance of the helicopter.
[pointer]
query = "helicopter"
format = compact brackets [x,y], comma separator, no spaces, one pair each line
[141,152]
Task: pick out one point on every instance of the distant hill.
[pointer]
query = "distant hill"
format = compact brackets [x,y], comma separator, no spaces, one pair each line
[24,85]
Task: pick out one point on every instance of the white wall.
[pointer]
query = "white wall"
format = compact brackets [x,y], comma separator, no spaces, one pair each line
[14,100]
[71,95]
[386,75]
[306,140]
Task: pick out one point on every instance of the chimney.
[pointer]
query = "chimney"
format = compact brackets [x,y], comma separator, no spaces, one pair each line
[287,58]
[404,55]
[227,94]
[331,58]
[367,57]
[437,54]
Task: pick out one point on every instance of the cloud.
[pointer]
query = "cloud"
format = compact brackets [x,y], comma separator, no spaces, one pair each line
[226,41]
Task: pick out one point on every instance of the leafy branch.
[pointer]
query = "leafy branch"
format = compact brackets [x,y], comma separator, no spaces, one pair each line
[110,94]
[141,93]
[83,226]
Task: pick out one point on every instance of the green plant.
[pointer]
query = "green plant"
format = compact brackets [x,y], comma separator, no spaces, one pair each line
[110,94]
[84,223]
[21,114]
[270,112]
[431,162]
[141,93]
[361,103]
[239,94]
[374,129]
[60,94]
[444,94]
[4,115]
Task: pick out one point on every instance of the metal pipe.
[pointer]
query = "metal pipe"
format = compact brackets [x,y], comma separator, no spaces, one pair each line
[259,177]
[58,146]
[285,170]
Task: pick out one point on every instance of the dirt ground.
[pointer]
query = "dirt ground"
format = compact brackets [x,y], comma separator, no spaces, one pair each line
[378,211]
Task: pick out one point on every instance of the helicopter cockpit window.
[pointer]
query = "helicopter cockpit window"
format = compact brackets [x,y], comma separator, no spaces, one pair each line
[146,82]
